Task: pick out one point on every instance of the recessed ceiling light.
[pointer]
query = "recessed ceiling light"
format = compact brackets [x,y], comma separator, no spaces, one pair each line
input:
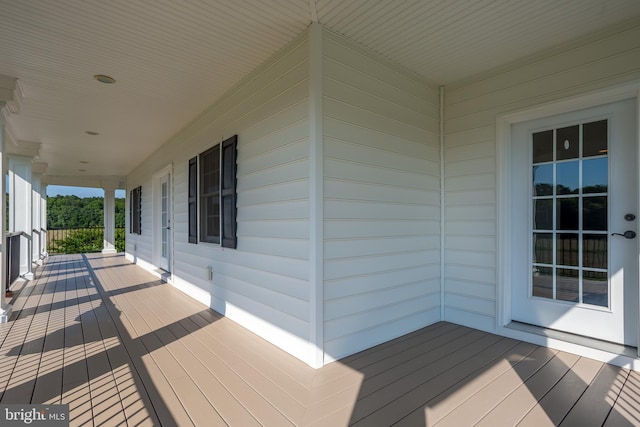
[84,162]
[102,78]
[92,133]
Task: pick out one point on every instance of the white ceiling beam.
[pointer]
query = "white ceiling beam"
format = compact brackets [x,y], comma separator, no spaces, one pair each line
[23,148]
[38,168]
[94,181]
[7,85]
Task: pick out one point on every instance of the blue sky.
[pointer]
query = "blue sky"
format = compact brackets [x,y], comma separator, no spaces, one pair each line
[54,190]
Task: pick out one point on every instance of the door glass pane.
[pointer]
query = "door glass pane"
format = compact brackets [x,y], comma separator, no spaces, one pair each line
[568,285]
[569,226]
[568,143]
[567,214]
[595,175]
[543,214]
[594,214]
[543,248]
[595,137]
[543,146]
[595,288]
[567,249]
[594,251]
[543,180]
[543,282]
[164,243]
[567,177]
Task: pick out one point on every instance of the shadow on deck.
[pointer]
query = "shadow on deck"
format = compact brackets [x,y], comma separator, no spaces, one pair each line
[122,348]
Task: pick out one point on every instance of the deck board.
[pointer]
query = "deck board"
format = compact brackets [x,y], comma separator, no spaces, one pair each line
[626,410]
[516,404]
[123,348]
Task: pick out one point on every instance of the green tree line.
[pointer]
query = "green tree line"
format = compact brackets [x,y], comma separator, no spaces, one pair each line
[76,212]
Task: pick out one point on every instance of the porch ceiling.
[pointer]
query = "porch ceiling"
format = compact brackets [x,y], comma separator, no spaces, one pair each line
[173,59]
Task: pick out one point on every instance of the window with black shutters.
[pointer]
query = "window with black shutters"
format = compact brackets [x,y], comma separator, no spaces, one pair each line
[135,211]
[216,195]
[210,195]
[193,200]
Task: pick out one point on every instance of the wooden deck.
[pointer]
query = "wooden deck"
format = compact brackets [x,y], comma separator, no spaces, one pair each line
[122,348]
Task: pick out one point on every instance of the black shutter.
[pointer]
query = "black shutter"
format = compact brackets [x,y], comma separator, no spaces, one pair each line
[131,204]
[135,211]
[139,210]
[192,201]
[228,196]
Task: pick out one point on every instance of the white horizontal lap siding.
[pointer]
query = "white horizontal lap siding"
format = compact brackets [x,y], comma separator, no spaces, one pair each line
[381,200]
[139,246]
[263,284]
[471,110]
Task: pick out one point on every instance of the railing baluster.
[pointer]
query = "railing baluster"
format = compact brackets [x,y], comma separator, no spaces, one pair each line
[81,240]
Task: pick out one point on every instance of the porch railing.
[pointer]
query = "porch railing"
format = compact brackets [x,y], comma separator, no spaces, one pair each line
[13,257]
[81,240]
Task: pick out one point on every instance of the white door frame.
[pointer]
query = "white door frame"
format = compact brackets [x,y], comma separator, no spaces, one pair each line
[503,136]
[157,219]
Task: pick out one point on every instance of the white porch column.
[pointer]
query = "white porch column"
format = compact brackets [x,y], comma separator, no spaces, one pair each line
[5,309]
[43,220]
[36,200]
[109,220]
[20,208]
[10,100]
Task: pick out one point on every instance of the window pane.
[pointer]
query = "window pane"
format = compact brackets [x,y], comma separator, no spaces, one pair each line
[543,214]
[567,214]
[595,175]
[567,250]
[543,146]
[594,138]
[203,220]
[567,177]
[594,214]
[210,218]
[210,170]
[543,248]
[594,251]
[542,282]
[567,285]
[209,195]
[595,288]
[543,180]
[214,230]
[568,143]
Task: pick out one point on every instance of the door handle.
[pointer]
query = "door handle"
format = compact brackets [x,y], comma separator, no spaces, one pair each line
[627,234]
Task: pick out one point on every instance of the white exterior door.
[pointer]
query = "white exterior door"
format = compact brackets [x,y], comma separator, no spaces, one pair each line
[573,192]
[165,223]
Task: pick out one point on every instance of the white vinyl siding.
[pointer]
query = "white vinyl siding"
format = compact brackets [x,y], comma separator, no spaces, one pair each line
[263,284]
[140,245]
[472,108]
[381,200]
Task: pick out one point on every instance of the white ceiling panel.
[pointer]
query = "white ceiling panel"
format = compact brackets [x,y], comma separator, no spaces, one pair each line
[172,59]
